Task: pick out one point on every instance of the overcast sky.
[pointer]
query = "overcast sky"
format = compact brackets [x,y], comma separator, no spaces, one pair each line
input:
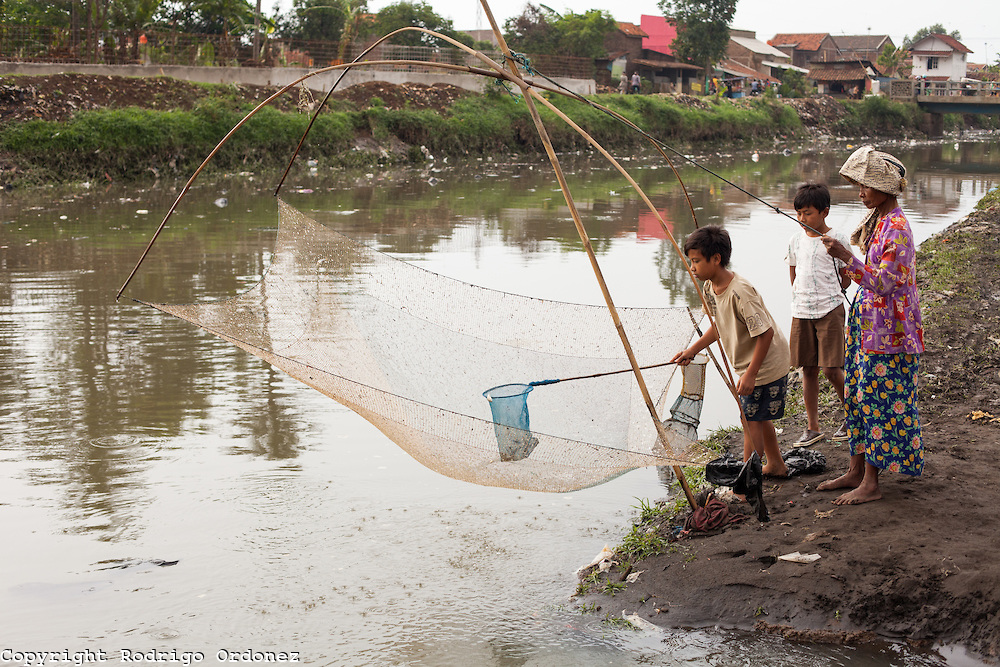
[978,21]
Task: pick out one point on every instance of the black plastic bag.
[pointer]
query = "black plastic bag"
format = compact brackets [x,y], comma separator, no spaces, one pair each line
[801,461]
[746,479]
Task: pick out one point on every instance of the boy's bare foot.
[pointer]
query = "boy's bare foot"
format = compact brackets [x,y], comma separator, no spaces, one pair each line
[775,471]
[849,480]
[858,496]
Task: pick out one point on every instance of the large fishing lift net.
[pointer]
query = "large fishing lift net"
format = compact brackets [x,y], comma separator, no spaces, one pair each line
[453,373]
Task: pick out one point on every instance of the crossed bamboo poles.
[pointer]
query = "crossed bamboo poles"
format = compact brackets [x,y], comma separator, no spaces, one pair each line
[529,90]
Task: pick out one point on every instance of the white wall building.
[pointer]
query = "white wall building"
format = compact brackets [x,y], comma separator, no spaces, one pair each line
[939,58]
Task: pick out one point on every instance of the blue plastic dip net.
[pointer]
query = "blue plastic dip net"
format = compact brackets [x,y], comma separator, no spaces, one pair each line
[509,405]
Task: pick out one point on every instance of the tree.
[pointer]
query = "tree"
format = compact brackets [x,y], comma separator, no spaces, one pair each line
[212,17]
[540,30]
[583,35]
[936,29]
[357,11]
[406,14]
[55,13]
[314,19]
[133,15]
[702,29]
[892,59]
[794,84]
[533,31]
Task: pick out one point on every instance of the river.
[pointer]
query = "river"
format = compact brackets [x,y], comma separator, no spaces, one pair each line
[162,489]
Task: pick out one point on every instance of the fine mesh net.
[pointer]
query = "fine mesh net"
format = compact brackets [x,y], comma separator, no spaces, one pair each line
[467,380]
[685,413]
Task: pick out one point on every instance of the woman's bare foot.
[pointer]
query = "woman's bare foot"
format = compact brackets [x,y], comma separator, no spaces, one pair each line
[849,480]
[862,494]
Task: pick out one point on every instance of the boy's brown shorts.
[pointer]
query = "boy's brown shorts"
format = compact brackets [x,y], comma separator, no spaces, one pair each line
[818,342]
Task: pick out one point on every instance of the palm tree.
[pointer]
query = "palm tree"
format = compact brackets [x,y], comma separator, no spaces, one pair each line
[891,60]
[355,11]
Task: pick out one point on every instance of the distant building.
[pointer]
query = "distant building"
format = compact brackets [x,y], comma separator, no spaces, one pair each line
[626,40]
[939,58]
[660,34]
[804,48]
[763,59]
[623,46]
[862,47]
[658,63]
[844,78]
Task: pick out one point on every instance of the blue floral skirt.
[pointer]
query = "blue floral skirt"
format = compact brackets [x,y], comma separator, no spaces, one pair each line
[881,396]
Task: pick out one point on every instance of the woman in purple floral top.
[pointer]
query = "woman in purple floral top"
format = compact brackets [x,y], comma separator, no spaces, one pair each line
[885,335]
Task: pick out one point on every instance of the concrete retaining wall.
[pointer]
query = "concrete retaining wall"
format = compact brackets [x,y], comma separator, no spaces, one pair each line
[276,76]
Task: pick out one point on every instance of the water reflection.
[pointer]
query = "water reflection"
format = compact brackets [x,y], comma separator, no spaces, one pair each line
[129,435]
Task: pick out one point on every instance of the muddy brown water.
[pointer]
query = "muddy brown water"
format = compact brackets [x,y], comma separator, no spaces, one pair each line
[160,489]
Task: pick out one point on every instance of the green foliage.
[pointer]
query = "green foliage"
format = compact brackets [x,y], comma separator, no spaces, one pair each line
[794,84]
[127,143]
[54,13]
[533,31]
[716,440]
[543,31]
[945,259]
[991,198]
[213,17]
[702,28]
[404,14]
[891,59]
[91,143]
[133,15]
[645,540]
[316,20]
[649,514]
[641,542]
[879,115]
[935,29]
[612,587]
[618,622]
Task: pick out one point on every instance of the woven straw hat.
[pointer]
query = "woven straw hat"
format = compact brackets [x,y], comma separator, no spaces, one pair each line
[875,169]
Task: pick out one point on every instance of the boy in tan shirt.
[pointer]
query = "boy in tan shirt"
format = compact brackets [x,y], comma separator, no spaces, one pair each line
[756,347]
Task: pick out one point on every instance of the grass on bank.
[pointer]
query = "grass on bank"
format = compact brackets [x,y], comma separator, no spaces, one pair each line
[133,143]
[128,144]
[989,200]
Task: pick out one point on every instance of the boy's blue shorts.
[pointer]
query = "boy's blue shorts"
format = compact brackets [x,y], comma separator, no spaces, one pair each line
[766,402]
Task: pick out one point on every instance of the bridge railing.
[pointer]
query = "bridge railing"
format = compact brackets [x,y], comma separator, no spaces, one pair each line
[923,89]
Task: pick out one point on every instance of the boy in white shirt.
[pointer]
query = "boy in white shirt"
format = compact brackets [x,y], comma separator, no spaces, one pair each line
[816,338]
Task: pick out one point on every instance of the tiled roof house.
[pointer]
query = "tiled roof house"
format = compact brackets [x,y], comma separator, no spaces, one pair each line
[626,40]
[862,47]
[760,58]
[939,58]
[804,48]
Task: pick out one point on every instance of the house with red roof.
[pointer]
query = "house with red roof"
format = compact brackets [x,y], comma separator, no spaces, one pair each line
[660,34]
[658,64]
[622,46]
[804,48]
[939,57]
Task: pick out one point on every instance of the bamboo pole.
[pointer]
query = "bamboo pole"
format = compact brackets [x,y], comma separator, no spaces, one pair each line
[584,237]
[529,93]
